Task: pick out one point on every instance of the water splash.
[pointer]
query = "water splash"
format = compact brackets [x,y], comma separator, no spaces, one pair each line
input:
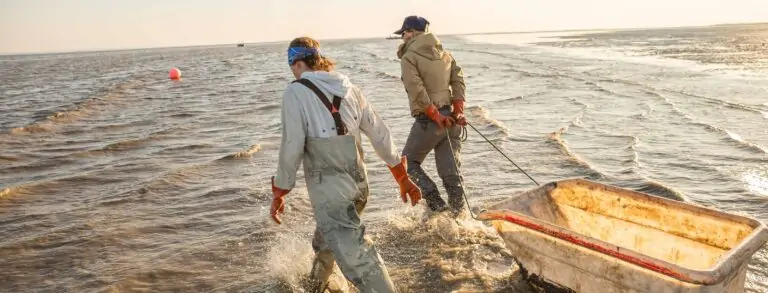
[576,121]
[457,255]
[290,262]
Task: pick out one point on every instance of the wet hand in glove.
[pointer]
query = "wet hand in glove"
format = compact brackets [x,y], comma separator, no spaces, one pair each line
[407,187]
[434,114]
[278,202]
[458,112]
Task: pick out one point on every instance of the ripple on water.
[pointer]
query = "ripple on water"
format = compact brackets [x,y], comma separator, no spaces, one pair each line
[113,178]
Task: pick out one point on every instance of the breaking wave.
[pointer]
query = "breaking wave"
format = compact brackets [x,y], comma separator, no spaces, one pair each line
[387,75]
[129,144]
[632,147]
[729,135]
[243,154]
[746,144]
[657,188]
[731,105]
[482,115]
[556,138]
[82,109]
[733,138]
[10,191]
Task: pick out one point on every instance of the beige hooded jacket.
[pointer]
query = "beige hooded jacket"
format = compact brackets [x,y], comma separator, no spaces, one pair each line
[429,73]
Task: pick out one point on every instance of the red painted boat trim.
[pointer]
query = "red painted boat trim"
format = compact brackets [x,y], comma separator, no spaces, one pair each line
[594,246]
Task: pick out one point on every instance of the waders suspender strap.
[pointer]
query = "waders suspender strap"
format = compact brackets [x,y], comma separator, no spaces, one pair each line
[341,129]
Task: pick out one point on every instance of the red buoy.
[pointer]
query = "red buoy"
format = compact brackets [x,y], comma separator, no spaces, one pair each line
[174,74]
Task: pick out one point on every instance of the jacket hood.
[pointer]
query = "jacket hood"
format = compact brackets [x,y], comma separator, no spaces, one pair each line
[335,83]
[424,44]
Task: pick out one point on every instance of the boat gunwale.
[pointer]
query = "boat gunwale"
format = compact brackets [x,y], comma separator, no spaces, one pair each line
[726,264]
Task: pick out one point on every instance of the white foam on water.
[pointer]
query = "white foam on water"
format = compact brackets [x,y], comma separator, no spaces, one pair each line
[757,182]
[453,255]
[736,137]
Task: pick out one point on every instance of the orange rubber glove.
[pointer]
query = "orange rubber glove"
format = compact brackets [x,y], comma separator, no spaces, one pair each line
[458,112]
[278,202]
[434,114]
[407,187]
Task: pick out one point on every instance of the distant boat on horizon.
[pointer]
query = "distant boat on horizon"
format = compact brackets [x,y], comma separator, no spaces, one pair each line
[393,37]
[241,45]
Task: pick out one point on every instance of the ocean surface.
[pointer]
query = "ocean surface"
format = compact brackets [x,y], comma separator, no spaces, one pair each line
[115,179]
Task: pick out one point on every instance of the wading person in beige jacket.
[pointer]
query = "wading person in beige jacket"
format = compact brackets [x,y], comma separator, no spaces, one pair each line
[435,87]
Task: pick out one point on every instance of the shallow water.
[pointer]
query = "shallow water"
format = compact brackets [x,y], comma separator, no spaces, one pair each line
[115,179]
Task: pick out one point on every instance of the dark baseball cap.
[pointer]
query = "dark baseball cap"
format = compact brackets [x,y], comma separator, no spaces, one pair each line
[413,22]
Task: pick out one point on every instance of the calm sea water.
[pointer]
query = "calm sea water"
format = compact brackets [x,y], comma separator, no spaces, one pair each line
[115,179]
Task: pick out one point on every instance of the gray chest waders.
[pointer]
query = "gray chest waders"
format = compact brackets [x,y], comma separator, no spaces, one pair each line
[337,184]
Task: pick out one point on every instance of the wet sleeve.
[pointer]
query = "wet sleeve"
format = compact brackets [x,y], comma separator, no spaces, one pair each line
[292,144]
[414,86]
[377,132]
[457,81]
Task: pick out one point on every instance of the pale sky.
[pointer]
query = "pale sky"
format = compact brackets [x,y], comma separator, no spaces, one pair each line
[31,26]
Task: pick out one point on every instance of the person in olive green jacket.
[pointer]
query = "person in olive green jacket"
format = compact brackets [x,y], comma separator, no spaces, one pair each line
[435,86]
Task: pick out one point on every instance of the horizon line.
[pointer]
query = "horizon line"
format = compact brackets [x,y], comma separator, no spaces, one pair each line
[366,38]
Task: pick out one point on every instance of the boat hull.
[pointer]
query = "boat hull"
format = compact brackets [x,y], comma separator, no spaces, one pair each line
[583,236]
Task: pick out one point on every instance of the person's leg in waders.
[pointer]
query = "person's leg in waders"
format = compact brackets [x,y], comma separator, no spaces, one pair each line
[338,188]
[445,154]
[426,135]
[323,262]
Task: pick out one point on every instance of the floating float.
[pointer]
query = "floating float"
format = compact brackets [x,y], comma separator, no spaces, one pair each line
[174,74]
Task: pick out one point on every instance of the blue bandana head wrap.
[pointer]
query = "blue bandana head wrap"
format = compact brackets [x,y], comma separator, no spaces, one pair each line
[298,53]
